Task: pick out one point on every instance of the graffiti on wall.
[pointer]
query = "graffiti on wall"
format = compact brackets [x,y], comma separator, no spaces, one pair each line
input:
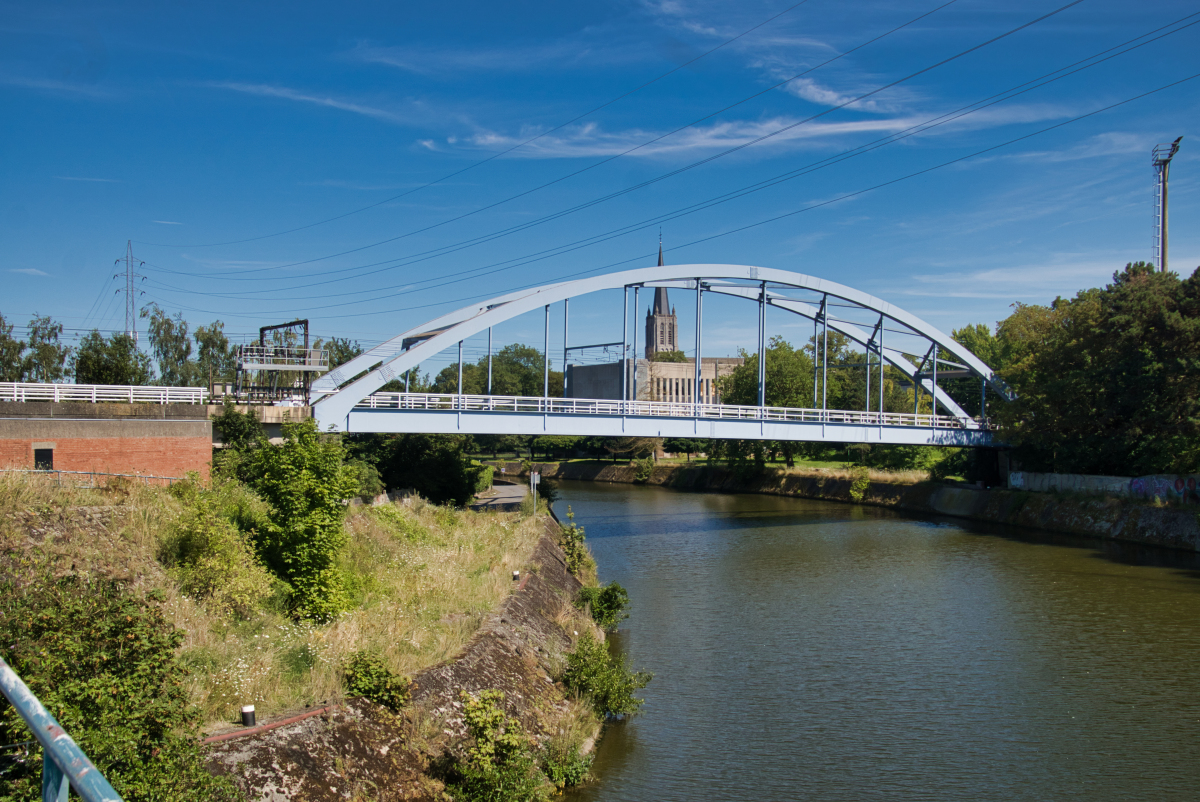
[1179,489]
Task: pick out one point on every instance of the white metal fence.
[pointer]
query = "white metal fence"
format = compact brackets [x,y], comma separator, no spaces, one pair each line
[95,393]
[670,409]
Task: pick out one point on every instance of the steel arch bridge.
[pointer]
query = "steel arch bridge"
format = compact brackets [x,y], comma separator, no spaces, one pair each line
[347,399]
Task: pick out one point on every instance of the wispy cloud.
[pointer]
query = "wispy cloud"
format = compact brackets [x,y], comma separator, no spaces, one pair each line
[29,271]
[75,88]
[93,180]
[592,140]
[588,47]
[329,101]
[166,222]
[1062,274]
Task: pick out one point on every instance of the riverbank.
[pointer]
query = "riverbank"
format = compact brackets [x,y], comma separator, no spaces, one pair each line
[358,750]
[1106,518]
[431,597]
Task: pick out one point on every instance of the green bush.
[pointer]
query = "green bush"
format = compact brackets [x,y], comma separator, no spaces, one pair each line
[370,484]
[571,541]
[500,765]
[368,677]
[860,482]
[483,479]
[214,562]
[103,662]
[564,766]
[604,678]
[527,507]
[306,483]
[645,467]
[608,604]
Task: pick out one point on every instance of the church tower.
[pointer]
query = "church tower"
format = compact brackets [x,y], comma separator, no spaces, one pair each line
[662,328]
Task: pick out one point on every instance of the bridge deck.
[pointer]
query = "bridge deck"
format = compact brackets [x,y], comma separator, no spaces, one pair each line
[481,414]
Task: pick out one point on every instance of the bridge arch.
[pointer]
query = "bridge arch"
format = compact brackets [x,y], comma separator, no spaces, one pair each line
[337,393]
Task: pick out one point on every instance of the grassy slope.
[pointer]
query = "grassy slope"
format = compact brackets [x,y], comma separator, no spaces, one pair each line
[421,577]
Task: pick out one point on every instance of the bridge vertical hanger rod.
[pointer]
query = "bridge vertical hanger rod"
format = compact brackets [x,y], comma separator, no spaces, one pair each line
[814,343]
[762,345]
[406,379]
[565,319]
[634,358]
[458,403]
[982,400]
[489,392]
[546,358]
[935,361]
[825,355]
[696,385]
[881,369]
[625,345]
[867,361]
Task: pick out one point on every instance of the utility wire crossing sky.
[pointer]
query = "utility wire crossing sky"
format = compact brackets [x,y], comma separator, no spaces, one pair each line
[372,167]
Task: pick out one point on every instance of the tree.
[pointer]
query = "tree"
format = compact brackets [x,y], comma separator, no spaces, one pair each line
[516,370]
[1108,382]
[116,360]
[669,356]
[342,350]
[171,345]
[435,465]
[214,357]
[47,356]
[12,367]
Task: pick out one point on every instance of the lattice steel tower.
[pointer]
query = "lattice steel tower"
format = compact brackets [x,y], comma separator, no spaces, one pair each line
[130,289]
[1162,155]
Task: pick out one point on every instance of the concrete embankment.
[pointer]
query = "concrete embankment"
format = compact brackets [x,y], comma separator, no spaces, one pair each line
[1108,518]
[360,751]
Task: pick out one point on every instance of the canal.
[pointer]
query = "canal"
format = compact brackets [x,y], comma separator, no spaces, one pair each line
[820,651]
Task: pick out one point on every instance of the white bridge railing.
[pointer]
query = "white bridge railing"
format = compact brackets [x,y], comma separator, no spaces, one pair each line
[95,393]
[668,409]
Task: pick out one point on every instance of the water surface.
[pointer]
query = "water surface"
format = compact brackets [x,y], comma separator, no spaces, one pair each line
[820,651]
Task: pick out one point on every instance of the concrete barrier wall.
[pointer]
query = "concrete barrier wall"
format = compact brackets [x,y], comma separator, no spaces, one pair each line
[1171,488]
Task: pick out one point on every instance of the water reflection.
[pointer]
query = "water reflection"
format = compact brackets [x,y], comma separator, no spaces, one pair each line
[830,652]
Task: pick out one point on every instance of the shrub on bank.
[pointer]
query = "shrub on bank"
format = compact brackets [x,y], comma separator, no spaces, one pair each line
[607,603]
[571,541]
[102,660]
[368,677]
[604,678]
[500,765]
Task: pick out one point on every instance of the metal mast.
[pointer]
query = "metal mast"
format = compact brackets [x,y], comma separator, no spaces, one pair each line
[1161,156]
[130,294]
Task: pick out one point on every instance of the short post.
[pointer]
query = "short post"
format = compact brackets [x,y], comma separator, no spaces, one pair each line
[247,715]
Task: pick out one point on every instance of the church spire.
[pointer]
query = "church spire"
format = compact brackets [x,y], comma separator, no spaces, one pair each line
[660,259]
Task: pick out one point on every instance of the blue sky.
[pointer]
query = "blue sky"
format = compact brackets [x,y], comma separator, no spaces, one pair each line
[183,126]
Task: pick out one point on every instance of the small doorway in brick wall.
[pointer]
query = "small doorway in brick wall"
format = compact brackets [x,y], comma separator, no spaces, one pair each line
[43,459]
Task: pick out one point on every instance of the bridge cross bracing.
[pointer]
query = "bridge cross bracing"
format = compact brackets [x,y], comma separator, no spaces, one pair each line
[347,398]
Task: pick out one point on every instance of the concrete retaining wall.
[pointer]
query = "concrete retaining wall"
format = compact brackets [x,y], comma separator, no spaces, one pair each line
[1108,518]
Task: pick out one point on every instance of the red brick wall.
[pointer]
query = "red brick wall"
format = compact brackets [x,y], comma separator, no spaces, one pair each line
[158,456]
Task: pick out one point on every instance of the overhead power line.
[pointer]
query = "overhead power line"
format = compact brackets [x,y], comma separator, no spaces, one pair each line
[499,153]
[774,218]
[943,119]
[647,143]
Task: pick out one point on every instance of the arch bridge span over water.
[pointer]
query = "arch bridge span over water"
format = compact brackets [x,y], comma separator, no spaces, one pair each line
[348,398]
